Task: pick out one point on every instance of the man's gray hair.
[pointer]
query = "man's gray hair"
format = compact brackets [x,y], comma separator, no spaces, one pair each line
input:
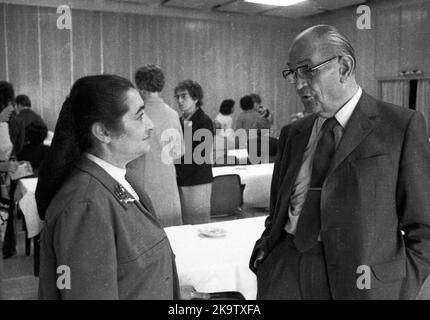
[334,38]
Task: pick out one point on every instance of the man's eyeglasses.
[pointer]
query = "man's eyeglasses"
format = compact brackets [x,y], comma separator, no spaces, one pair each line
[182,95]
[304,72]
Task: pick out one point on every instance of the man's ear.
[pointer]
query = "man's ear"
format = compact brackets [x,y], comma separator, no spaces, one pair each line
[100,132]
[347,66]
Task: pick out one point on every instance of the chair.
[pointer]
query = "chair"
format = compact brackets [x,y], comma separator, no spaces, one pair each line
[227,196]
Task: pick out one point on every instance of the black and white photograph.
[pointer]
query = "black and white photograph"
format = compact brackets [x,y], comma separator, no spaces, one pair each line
[226,152]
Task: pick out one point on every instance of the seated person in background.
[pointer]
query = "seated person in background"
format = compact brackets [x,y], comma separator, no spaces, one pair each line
[266,120]
[35,151]
[25,113]
[249,118]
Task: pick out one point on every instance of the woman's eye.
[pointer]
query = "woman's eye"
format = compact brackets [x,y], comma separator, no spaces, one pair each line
[140,117]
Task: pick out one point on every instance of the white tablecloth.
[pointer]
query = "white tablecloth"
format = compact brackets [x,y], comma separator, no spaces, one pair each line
[257,179]
[217,264]
[25,196]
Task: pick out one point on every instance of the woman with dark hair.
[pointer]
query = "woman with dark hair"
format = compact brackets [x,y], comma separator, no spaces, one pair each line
[226,109]
[101,239]
[224,138]
[194,172]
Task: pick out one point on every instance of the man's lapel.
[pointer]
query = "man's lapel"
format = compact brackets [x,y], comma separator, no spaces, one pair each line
[359,126]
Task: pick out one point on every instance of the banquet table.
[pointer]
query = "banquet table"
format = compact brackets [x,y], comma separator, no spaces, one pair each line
[217,264]
[257,179]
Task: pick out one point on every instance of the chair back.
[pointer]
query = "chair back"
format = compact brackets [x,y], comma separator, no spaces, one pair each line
[227,196]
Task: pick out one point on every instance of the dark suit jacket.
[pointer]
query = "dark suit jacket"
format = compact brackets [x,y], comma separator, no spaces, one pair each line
[17,133]
[114,249]
[377,187]
[191,174]
[33,153]
[28,116]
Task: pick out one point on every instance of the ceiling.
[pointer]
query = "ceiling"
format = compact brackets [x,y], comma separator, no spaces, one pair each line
[307,8]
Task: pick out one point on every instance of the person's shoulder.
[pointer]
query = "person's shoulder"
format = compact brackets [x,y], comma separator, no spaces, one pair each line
[169,110]
[393,114]
[78,190]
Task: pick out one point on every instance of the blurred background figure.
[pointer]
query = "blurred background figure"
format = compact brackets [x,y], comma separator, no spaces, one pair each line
[34,150]
[224,133]
[266,120]
[153,172]
[224,118]
[6,166]
[12,140]
[194,176]
[25,113]
[249,118]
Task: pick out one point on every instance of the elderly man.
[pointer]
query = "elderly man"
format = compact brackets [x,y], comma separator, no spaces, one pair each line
[350,211]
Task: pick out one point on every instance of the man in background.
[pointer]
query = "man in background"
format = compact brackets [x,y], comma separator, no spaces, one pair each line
[25,113]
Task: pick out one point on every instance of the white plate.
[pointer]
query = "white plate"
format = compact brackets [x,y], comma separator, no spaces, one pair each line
[212,232]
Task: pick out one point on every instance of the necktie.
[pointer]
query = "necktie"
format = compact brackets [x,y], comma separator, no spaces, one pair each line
[309,224]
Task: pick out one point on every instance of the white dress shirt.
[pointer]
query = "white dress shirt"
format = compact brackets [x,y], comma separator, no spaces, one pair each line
[117,173]
[301,185]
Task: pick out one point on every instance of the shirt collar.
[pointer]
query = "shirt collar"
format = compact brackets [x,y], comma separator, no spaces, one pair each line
[117,173]
[344,113]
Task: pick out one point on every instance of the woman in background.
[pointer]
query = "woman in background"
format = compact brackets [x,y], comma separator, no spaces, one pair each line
[226,109]
[101,239]
[155,172]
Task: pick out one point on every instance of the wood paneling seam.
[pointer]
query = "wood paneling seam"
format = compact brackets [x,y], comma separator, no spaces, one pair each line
[5,44]
[39,54]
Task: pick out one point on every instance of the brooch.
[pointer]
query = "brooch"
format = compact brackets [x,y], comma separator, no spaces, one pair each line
[122,194]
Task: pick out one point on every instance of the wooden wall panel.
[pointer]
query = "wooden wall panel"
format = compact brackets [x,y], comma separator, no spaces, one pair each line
[86,33]
[387,42]
[229,59]
[3,75]
[364,51]
[415,38]
[56,68]
[116,53]
[23,52]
